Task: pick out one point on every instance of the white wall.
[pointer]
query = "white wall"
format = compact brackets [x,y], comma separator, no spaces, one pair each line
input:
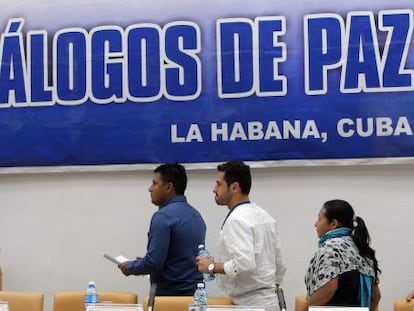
[55,227]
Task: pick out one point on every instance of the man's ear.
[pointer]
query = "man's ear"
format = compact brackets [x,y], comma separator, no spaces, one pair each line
[235,186]
[170,187]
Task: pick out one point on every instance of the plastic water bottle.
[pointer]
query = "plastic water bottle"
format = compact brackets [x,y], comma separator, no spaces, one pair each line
[91,295]
[200,297]
[202,252]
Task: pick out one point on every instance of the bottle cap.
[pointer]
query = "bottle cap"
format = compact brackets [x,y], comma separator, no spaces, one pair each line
[200,246]
[91,283]
[200,285]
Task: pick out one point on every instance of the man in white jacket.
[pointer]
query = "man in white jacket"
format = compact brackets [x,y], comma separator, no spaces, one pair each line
[249,260]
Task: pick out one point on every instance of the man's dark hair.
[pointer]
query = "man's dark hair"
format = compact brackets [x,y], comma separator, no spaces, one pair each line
[237,171]
[175,174]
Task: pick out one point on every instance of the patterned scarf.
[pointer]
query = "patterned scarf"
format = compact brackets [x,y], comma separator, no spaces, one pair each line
[336,233]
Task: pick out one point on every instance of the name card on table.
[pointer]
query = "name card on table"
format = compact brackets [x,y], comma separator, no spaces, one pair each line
[113,307]
[4,306]
[330,308]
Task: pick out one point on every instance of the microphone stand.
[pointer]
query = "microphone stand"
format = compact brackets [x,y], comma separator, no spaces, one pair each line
[281,298]
[151,299]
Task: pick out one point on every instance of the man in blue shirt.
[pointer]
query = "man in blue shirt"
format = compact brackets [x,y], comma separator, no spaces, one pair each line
[175,232]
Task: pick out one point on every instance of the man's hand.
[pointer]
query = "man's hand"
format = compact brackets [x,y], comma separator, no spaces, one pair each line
[202,263]
[410,295]
[123,267]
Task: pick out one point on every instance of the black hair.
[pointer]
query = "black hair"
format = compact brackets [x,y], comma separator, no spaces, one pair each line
[237,171]
[175,174]
[343,212]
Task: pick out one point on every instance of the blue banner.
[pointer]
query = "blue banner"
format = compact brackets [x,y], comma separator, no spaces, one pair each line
[106,82]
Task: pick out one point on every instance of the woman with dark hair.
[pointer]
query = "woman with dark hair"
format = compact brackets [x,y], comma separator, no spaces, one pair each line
[344,270]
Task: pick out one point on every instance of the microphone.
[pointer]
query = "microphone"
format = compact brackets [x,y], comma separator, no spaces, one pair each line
[281,298]
[151,299]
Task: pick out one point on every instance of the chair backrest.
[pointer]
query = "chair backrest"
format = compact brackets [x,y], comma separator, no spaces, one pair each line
[75,300]
[1,279]
[23,301]
[299,302]
[180,303]
[301,299]
[403,305]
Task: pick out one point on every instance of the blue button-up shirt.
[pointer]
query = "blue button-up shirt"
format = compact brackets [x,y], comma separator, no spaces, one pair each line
[175,232]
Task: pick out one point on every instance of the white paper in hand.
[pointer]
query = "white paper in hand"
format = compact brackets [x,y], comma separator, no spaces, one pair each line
[117,260]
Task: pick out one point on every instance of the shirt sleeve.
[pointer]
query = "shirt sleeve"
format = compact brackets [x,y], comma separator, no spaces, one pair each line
[157,249]
[239,242]
[280,264]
